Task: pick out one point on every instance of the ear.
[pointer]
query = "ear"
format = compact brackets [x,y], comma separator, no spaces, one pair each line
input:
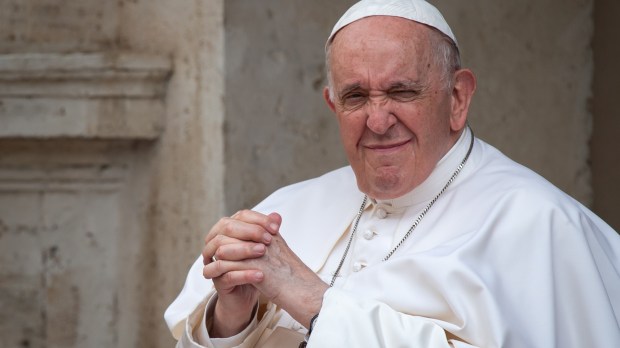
[462,93]
[328,100]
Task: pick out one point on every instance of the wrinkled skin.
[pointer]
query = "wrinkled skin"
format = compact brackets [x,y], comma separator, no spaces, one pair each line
[397,117]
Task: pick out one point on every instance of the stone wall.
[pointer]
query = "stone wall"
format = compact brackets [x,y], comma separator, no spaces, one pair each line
[533,60]
[278,128]
[605,143]
[110,165]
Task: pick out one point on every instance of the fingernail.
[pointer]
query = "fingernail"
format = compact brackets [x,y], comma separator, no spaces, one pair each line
[258,275]
[274,227]
[259,248]
[267,238]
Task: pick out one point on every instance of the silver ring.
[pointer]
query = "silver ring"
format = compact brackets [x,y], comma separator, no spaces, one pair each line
[213,258]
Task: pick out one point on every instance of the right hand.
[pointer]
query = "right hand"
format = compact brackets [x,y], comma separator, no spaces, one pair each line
[242,236]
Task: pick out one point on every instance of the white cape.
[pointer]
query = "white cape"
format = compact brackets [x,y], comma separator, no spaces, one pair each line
[503,259]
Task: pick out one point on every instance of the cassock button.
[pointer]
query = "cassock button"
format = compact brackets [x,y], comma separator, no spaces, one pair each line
[369,234]
[381,213]
[358,266]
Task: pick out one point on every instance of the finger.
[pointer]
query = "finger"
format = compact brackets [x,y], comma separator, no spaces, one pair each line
[209,250]
[239,229]
[270,223]
[240,251]
[220,267]
[275,221]
[229,280]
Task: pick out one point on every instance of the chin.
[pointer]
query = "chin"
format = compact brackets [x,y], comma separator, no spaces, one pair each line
[387,185]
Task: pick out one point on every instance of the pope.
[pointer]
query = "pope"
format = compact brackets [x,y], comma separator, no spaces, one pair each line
[430,238]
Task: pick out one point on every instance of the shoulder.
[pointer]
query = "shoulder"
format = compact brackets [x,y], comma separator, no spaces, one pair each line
[499,187]
[495,172]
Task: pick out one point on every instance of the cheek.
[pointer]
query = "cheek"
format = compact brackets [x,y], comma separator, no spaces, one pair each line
[430,120]
[351,130]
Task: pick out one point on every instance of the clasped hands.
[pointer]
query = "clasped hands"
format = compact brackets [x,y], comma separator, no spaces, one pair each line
[253,258]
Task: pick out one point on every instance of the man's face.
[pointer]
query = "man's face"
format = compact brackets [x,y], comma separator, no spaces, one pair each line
[392,107]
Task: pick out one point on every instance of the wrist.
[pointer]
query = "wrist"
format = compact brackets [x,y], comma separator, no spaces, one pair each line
[306,304]
[226,322]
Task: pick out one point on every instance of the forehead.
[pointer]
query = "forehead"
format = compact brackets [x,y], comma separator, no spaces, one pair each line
[380,46]
[370,31]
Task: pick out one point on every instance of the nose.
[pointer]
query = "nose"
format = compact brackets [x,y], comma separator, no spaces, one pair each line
[379,116]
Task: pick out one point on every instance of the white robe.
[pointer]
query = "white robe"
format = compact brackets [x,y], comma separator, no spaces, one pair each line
[503,259]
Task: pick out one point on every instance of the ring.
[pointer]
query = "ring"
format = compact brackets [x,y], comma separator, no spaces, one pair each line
[213,258]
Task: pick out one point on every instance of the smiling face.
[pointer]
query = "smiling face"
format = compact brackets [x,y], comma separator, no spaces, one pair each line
[397,117]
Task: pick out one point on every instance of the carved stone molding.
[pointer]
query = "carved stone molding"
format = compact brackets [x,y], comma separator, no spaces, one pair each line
[66,178]
[108,95]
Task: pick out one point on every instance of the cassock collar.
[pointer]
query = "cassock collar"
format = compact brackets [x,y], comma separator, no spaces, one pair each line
[435,181]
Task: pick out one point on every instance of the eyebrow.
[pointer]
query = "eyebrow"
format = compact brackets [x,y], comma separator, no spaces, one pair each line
[406,85]
[349,88]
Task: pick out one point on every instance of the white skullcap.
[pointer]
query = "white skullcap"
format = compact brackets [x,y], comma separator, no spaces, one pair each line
[416,10]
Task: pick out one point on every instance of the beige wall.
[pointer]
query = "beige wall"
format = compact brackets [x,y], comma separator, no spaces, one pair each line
[187,186]
[605,141]
[533,61]
[278,128]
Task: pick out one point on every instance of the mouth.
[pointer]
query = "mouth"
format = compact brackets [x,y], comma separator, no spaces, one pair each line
[389,146]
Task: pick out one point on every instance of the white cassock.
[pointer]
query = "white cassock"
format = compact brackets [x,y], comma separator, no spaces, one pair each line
[503,259]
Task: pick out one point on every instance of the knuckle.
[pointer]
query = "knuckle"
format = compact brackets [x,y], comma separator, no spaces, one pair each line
[227,278]
[227,224]
[217,267]
[213,269]
[221,223]
[214,230]
[219,240]
[218,253]
[207,250]
[243,213]
[206,273]
[255,233]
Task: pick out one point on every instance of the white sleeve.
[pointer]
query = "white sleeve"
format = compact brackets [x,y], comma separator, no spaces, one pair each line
[186,315]
[194,291]
[347,321]
[201,335]
[195,334]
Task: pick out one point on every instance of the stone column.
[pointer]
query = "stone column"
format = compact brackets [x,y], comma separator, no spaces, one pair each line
[110,165]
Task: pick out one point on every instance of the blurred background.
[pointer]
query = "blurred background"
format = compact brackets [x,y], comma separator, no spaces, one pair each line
[128,127]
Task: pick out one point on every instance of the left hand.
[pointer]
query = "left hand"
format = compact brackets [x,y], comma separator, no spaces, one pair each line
[287,281]
[240,237]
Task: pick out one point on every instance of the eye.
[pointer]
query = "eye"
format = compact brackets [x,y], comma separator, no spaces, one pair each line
[404,95]
[354,96]
[353,100]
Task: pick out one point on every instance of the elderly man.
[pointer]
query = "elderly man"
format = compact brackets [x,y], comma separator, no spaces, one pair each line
[431,238]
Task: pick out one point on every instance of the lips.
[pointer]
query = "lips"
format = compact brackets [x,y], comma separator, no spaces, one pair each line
[392,145]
